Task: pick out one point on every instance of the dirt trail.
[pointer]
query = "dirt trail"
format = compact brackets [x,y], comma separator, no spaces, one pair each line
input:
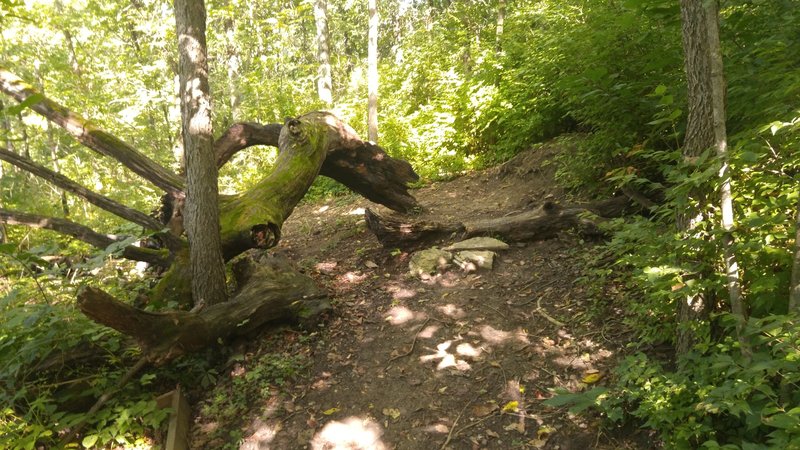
[410,364]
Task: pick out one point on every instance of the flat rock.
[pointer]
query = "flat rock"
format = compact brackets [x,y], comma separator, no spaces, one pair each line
[472,260]
[430,261]
[479,243]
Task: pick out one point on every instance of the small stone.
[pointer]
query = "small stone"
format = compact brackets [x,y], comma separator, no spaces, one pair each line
[472,260]
[479,243]
[371,265]
[430,261]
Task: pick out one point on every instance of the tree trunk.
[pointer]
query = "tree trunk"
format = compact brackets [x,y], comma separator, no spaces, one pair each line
[202,195]
[324,81]
[705,129]
[794,295]
[501,19]
[726,198]
[65,183]
[694,309]
[372,72]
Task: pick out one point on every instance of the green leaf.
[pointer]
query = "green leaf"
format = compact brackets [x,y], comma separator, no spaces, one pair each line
[89,440]
[782,421]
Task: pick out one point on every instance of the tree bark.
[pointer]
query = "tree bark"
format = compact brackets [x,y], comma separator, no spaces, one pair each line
[694,309]
[705,130]
[202,196]
[738,309]
[363,167]
[372,72]
[544,222]
[63,226]
[501,19]
[270,291]
[89,135]
[794,294]
[324,81]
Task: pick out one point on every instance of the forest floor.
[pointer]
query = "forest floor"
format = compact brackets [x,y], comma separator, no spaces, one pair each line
[460,360]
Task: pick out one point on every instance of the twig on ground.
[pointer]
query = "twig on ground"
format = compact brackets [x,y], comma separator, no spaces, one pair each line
[455,422]
[495,310]
[466,427]
[413,343]
[544,314]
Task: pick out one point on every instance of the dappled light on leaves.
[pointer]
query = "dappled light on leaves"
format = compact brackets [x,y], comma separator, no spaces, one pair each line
[352,433]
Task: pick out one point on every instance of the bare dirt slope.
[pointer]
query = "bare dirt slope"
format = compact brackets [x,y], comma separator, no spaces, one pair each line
[462,360]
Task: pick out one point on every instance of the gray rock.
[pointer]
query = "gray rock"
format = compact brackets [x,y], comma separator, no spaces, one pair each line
[472,260]
[479,243]
[430,261]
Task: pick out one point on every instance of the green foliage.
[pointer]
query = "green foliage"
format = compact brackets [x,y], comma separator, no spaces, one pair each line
[715,399]
[253,380]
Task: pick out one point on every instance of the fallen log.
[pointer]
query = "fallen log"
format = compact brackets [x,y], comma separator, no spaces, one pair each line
[541,223]
[270,291]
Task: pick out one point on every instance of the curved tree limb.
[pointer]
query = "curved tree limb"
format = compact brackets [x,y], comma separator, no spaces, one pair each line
[362,166]
[85,234]
[94,198]
[88,134]
[241,135]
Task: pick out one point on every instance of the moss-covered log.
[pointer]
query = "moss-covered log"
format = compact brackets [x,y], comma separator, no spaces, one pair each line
[271,290]
[362,166]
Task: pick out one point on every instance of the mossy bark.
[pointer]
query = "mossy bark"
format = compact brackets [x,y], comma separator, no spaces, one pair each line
[271,290]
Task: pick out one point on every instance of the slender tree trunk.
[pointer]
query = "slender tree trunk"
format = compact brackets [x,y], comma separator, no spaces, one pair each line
[501,19]
[52,143]
[324,81]
[233,63]
[5,128]
[202,210]
[726,198]
[694,309]
[372,72]
[794,296]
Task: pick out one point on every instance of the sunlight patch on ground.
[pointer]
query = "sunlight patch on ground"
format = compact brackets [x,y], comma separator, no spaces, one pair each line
[352,277]
[399,315]
[429,331]
[356,212]
[451,310]
[446,359]
[322,209]
[352,433]
[263,435]
[401,292]
[493,335]
[466,349]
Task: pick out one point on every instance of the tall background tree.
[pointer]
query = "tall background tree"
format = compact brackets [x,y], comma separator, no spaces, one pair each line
[324,81]
[372,71]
